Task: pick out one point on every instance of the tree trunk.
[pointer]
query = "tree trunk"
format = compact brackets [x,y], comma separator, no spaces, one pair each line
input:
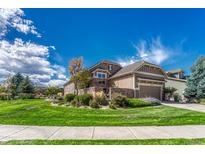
[76,88]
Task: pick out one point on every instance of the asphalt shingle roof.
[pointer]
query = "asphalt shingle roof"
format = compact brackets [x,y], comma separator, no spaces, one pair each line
[128,69]
[175,71]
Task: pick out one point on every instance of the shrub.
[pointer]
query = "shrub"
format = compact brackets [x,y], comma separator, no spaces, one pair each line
[69,97]
[153,101]
[25,96]
[177,97]
[94,104]
[60,102]
[119,100]
[202,101]
[133,102]
[112,106]
[75,103]
[4,97]
[169,92]
[83,99]
[78,104]
[101,99]
[59,98]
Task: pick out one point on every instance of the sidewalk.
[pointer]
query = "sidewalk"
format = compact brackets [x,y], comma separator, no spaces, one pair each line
[189,106]
[17,132]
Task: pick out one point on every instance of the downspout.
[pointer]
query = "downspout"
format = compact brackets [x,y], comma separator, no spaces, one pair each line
[134,85]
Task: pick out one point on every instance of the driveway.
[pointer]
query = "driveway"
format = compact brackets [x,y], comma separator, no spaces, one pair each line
[189,106]
[17,132]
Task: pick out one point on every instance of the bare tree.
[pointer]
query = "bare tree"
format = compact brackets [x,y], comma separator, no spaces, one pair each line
[75,66]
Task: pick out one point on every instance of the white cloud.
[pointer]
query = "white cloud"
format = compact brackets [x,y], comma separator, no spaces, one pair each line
[24,56]
[14,18]
[154,52]
[52,47]
[56,82]
[29,59]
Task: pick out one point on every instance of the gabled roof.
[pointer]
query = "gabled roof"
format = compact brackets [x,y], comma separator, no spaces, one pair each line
[175,70]
[132,68]
[128,69]
[104,61]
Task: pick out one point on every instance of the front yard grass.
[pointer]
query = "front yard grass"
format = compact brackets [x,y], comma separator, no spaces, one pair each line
[40,112]
[108,142]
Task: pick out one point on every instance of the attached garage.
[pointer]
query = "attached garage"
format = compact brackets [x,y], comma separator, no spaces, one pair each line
[150,91]
[146,79]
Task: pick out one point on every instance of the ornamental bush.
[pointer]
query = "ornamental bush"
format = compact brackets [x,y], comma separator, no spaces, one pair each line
[119,100]
[4,97]
[177,97]
[74,103]
[69,97]
[133,102]
[101,98]
[83,99]
[112,106]
[94,104]
[153,101]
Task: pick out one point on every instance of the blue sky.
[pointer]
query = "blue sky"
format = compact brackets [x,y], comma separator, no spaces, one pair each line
[172,38]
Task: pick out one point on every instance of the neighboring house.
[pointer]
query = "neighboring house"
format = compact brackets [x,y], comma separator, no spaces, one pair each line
[140,79]
[176,73]
[177,80]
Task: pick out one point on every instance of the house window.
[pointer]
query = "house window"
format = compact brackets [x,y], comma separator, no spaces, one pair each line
[102,82]
[101,75]
[110,67]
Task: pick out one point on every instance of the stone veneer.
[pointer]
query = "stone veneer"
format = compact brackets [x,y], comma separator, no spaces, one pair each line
[124,91]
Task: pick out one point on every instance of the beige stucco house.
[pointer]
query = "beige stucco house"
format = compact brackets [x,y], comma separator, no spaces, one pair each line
[140,79]
[177,80]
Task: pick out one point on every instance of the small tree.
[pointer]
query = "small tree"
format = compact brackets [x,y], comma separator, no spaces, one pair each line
[52,91]
[169,92]
[84,77]
[75,66]
[195,83]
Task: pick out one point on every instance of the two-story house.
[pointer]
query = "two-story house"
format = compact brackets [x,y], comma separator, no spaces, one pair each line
[140,79]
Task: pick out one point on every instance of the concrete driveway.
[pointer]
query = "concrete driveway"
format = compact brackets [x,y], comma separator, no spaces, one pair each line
[189,106]
[17,132]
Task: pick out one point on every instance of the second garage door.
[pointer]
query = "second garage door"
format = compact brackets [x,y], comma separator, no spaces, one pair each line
[150,91]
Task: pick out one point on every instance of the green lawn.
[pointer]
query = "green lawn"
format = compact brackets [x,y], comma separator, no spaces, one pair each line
[40,112]
[108,142]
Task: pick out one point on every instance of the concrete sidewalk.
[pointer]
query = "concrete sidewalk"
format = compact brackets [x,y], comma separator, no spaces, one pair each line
[17,132]
[189,106]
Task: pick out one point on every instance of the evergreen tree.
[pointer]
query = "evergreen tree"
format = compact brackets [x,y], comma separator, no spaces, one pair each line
[15,83]
[195,83]
[26,86]
[201,89]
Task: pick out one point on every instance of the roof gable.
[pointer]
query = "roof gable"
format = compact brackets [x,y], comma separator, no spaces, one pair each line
[101,62]
[128,69]
[135,67]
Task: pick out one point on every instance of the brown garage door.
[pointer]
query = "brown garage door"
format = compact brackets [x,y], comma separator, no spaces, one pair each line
[149,91]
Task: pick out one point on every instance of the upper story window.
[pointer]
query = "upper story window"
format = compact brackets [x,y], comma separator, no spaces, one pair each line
[110,67]
[101,75]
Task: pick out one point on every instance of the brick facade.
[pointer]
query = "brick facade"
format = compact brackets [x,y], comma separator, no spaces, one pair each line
[124,91]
